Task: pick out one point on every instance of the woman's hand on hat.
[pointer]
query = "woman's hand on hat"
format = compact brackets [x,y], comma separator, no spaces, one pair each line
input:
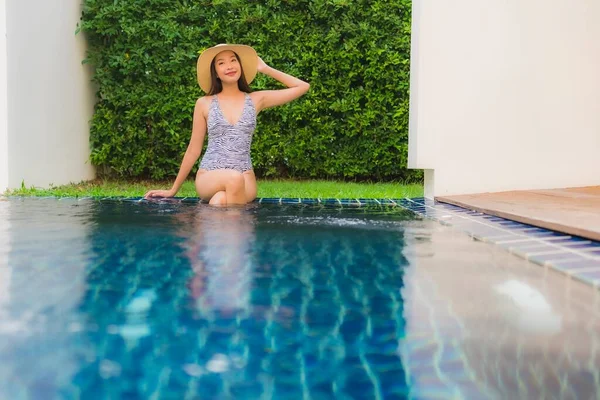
[159,193]
[262,66]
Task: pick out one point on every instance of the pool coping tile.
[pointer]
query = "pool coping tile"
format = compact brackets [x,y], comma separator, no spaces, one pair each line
[575,257]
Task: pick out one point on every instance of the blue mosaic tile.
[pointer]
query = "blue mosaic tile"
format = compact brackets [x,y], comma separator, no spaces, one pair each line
[596,253]
[451,207]
[493,218]
[416,209]
[570,266]
[329,201]
[190,200]
[552,257]
[418,200]
[540,233]
[581,245]
[517,242]
[512,225]
[590,276]
[539,247]
[307,201]
[464,211]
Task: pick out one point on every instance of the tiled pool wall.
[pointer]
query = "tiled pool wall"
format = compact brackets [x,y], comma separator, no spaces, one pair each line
[578,258]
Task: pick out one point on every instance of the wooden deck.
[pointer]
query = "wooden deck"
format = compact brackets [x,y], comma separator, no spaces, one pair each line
[574,211]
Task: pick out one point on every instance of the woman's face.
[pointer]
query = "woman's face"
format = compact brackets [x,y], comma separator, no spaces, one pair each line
[228,67]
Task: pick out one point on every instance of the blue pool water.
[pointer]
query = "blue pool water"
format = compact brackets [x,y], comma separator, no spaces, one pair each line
[168,300]
[132,300]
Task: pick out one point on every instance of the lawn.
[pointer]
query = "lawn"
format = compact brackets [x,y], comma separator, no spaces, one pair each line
[266,188]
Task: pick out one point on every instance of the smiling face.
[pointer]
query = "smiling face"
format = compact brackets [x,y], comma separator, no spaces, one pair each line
[225,69]
[228,67]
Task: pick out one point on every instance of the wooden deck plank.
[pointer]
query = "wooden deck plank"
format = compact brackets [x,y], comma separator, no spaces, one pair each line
[574,211]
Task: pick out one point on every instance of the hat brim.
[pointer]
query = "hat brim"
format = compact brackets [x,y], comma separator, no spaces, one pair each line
[247,55]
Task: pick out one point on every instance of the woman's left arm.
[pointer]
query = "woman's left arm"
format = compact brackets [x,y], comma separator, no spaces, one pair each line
[271,98]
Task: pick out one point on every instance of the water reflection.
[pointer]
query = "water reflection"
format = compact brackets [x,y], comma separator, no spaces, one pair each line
[534,313]
[219,245]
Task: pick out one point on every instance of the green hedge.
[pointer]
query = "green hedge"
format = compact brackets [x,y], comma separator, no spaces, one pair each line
[353,124]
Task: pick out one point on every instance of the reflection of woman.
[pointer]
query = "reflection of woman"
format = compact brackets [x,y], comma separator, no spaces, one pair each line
[219,250]
[228,114]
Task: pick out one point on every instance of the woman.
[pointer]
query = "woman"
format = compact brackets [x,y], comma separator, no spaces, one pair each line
[228,114]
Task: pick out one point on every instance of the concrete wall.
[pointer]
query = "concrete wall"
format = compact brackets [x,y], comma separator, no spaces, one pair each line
[50,96]
[3,101]
[505,94]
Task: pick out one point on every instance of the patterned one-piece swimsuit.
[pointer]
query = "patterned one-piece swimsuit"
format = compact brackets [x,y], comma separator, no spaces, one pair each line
[229,145]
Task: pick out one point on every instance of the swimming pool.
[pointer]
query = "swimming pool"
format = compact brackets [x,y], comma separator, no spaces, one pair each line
[130,299]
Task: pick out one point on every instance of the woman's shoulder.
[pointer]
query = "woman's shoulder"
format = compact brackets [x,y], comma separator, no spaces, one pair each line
[204,102]
[203,105]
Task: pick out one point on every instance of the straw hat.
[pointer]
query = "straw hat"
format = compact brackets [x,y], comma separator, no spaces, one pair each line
[247,55]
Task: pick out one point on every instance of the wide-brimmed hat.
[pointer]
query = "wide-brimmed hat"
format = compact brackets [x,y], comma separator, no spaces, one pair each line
[247,55]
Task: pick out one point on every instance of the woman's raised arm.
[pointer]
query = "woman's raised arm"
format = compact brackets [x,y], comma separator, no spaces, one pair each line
[271,98]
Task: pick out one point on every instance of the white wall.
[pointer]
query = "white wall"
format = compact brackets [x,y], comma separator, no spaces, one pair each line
[50,97]
[3,101]
[505,94]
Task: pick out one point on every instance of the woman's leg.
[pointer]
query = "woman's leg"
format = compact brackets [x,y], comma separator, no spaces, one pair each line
[209,183]
[219,199]
[250,184]
[226,186]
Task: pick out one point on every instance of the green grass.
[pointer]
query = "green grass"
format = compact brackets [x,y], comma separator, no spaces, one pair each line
[266,188]
[338,190]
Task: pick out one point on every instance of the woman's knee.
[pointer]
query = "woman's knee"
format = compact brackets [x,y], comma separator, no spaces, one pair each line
[219,199]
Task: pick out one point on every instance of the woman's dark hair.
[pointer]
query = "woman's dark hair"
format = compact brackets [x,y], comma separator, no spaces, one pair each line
[215,83]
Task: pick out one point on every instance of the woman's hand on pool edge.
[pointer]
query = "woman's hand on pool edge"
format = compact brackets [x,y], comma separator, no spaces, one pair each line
[159,193]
